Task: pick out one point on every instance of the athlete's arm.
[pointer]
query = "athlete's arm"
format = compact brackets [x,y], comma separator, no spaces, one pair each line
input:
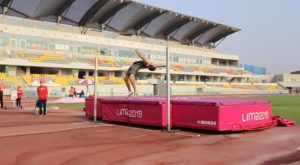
[143,58]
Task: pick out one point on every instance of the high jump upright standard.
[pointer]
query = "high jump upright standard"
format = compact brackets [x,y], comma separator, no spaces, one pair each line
[95,89]
[168,104]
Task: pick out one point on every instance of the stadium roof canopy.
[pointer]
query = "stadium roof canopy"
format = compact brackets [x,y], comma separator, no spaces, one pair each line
[123,16]
[296,72]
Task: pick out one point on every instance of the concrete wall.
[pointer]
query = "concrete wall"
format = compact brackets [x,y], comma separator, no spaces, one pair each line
[291,78]
[109,90]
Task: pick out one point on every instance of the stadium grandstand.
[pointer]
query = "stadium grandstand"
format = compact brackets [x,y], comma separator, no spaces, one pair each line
[290,81]
[60,41]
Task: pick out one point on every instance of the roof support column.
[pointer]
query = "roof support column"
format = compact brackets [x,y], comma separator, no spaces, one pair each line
[138,32]
[102,27]
[59,18]
[5,9]
[83,30]
[4,18]
[168,38]
[193,42]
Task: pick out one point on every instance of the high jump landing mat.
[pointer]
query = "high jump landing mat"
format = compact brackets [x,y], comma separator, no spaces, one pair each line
[216,114]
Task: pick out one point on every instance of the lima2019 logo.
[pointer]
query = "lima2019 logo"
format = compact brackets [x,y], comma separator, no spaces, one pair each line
[130,113]
[255,116]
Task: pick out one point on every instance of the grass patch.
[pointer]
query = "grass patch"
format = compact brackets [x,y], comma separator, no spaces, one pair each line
[68,105]
[286,106]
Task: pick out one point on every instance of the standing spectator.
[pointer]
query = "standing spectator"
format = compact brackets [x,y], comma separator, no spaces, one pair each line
[75,92]
[1,97]
[42,91]
[19,97]
[71,92]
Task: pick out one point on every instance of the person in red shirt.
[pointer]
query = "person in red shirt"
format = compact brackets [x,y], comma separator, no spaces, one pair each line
[42,92]
[19,97]
[71,92]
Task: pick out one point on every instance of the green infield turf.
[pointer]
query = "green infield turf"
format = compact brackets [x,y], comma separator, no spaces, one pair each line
[79,106]
[285,106]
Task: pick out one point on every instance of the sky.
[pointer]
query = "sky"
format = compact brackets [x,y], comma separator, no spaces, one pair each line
[270,29]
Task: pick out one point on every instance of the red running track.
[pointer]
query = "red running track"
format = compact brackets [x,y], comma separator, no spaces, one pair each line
[67,137]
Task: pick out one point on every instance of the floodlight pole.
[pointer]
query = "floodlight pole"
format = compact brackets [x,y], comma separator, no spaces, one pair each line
[168,105]
[95,89]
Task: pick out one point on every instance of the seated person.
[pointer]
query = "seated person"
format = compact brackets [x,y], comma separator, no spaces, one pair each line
[81,94]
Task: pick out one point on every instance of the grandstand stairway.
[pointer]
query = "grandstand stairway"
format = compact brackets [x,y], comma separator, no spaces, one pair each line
[20,79]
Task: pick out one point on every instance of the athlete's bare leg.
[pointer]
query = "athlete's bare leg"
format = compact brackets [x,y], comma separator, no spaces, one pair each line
[132,81]
[126,79]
